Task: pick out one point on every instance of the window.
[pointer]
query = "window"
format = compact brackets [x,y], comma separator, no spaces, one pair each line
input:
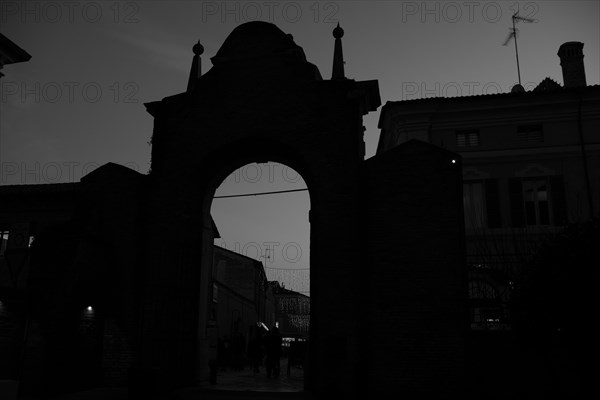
[3,241]
[467,138]
[473,201]
[530,134]
[537,201]
[215,293]
[481,204]
[486,307]
[479,289]
[535,196]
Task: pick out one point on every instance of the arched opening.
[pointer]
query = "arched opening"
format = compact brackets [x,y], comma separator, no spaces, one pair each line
[259,276]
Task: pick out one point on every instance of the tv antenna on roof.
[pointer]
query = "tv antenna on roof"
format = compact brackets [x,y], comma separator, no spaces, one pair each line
[513,34]
[267,255]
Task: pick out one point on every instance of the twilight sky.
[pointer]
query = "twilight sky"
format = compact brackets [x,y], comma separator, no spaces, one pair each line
[78,103]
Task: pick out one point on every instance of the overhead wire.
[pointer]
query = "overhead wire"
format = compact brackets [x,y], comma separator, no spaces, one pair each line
[260,194]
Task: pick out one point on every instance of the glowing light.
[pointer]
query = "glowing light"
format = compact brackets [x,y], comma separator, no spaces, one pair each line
[453,161]
[90,308]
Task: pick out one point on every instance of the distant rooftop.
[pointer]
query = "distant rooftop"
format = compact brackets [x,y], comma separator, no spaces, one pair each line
[547,85]
[38,188]
[10,53]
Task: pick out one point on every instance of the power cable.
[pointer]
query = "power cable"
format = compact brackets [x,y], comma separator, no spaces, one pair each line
[259,194]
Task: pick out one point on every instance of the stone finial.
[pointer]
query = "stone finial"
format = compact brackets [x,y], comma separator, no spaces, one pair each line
[338,56]
[198,49]
[196,70]
[338,32]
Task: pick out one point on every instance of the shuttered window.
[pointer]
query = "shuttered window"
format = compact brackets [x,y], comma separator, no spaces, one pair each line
[492,203]
[515,192]
[467,138]
[530,134]
[559,202]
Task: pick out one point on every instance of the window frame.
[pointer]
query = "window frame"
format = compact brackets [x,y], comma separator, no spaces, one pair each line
[557,200]
[484,219]
[536,202]
[468,135]
[4,238]
[525,133]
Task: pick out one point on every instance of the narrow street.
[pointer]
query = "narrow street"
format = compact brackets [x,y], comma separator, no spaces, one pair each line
[248,380]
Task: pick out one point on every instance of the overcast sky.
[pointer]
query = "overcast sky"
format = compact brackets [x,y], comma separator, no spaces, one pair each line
[79,102]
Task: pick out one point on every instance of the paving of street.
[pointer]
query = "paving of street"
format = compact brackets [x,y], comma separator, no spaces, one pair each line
[248,384]
[230,385]
[248,380]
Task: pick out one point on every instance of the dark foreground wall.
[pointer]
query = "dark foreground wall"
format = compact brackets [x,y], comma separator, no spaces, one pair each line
[416,290]
[69,322]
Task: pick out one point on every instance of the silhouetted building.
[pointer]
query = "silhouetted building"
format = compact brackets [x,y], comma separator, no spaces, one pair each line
[68,287]
[531,165]
[67,280]
[25,211]
[119,280]
[292,312]
[10,53]
[239,293]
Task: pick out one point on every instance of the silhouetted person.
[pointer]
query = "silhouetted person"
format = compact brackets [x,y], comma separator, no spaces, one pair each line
[273,350]
[296,353]
[226,353]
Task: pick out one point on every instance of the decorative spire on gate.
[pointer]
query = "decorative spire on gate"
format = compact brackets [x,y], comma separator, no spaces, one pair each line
[338,57]
[196,70]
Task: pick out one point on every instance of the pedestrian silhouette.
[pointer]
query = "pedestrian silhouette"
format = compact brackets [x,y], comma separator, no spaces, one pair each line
[273,351]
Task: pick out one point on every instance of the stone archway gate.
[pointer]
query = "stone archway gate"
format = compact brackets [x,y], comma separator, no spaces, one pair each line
[388,284]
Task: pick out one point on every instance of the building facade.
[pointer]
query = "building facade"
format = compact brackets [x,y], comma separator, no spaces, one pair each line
[531,165]
[292,313]
[239,294]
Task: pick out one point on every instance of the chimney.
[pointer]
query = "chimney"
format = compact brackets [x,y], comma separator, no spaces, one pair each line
[571,61]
